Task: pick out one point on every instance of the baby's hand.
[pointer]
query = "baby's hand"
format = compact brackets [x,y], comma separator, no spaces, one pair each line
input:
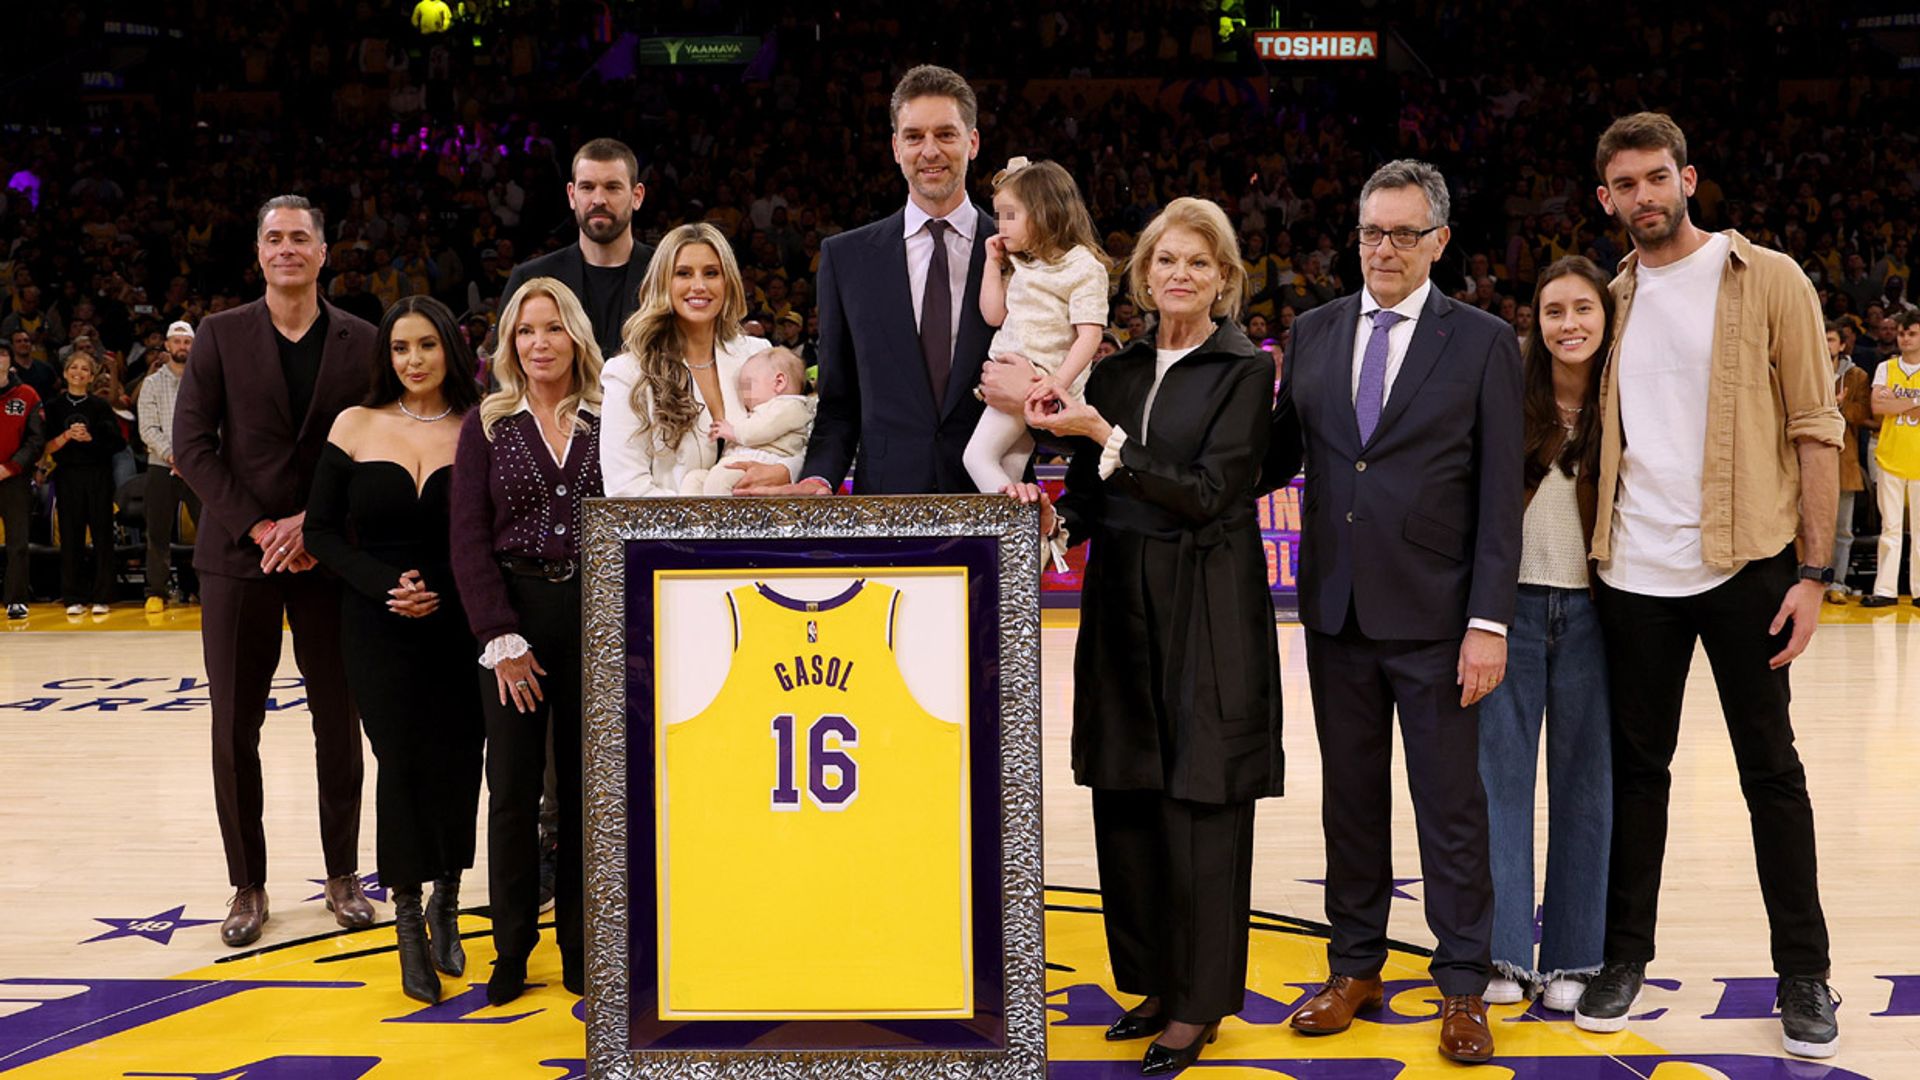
[723,430]
[1046,386]
[996,249]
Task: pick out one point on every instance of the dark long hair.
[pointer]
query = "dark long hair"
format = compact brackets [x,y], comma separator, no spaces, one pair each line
[1582,448]
[459,387]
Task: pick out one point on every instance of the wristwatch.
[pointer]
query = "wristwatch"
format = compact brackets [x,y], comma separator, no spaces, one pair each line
[1821,574]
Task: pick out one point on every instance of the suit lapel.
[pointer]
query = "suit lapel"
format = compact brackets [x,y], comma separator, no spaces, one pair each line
[266,346]
[339,370]
[1430,336]
[1338,384]
[970,344]
[896,301]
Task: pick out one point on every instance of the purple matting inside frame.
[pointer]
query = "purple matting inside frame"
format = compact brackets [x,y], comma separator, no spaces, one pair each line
[986,1030]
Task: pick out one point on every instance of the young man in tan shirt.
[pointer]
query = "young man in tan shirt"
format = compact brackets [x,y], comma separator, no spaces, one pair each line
[1719,449]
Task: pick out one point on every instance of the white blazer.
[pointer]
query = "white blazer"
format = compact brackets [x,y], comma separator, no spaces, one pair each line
[634,467]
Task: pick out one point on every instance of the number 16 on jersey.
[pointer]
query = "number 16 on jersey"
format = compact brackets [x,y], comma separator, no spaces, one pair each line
[833,776]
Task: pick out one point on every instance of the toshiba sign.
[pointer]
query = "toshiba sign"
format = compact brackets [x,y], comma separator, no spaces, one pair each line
[1316,44]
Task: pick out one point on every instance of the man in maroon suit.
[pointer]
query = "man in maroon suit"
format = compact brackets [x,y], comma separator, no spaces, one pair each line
[263,385]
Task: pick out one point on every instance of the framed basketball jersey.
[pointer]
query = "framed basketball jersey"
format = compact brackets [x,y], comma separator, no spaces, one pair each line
[811,750]
[812,817]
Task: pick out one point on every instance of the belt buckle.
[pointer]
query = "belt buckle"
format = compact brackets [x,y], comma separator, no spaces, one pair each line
[559,571]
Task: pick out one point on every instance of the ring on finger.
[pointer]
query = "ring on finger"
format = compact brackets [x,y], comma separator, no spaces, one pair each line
[521,684]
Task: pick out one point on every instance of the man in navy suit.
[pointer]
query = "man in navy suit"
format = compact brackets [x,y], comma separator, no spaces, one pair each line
[1408,408]
[901,337]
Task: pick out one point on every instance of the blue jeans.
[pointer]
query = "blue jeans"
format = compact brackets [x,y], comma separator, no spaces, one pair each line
[1556,666]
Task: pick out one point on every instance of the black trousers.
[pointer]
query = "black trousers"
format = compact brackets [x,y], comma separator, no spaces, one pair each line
[1176,886]
[1357,684]
[516,769]
[240,633]
[16,512]
[164,493]
[1650,643]
[84,496]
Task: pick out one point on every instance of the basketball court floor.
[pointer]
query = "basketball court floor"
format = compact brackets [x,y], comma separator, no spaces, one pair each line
[112,885]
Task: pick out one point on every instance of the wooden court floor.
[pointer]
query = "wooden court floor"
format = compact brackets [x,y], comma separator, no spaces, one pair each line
[112,884]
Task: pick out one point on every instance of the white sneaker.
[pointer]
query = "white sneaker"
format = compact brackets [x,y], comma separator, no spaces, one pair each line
[1563,993]
[76,609]
[1504,991]
[101,609]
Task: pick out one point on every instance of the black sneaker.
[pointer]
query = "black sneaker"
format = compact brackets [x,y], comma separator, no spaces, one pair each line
[1609,998]
[1877,600]
[549,871]
[1808,1028]
[16,611]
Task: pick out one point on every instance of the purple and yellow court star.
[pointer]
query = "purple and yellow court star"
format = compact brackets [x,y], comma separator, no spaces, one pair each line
[1398,892]
[158,928]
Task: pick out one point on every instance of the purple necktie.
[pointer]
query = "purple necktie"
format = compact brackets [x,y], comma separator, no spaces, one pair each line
[936,314]
[1372,396]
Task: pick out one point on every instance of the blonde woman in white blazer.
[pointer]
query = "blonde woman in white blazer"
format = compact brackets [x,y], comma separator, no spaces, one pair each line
[684,351]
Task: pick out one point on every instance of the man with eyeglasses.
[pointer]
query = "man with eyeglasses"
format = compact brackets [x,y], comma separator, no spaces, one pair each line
[1408,407]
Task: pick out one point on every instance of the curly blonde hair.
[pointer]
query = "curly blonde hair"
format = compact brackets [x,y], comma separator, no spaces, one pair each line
[512,377]
[662,398]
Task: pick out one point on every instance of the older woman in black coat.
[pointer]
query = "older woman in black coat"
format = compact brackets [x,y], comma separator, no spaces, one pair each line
[1176,719]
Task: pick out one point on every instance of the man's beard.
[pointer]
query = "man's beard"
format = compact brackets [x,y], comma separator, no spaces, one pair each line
[603,230]
[1657,233]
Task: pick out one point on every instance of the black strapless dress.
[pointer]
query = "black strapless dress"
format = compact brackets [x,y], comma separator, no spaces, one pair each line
[413,679]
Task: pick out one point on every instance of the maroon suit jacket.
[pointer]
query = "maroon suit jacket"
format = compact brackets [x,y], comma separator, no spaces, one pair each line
[235,438]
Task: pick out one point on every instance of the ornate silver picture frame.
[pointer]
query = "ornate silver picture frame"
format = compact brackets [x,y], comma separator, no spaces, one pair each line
[629,545]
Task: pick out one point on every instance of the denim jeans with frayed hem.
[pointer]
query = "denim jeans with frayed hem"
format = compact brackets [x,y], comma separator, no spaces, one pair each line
[1556,671]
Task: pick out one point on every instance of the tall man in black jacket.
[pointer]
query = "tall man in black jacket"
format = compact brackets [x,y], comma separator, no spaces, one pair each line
[1408,406]
[902,341]
[605,267]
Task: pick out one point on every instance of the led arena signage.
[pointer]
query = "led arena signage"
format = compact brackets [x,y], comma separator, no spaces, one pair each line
[1316,44]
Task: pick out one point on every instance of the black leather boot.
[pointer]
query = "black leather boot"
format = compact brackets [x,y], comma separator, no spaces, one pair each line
[443,926]
[417,977]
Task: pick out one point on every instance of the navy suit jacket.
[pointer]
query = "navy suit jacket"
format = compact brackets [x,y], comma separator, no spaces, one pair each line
[1417,530]
[876,400]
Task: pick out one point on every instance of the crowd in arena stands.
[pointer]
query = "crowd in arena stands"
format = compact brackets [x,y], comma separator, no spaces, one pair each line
[441,160]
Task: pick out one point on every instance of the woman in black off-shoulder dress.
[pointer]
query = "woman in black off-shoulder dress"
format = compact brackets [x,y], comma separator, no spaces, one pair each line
[378,518]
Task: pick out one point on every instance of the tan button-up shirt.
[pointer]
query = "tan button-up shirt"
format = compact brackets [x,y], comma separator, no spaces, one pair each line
[1772,384]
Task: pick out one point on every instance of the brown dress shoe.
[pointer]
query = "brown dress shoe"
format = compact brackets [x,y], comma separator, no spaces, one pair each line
[348,904]
[1330,1011]
[1463,1030]
[246,915]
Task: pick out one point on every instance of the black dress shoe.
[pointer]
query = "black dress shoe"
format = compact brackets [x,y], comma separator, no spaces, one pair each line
[1165,1060]
[1135,1024]
[417,976]
[509,980]
[443,926]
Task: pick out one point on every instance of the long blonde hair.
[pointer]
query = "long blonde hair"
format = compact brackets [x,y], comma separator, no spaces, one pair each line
[512,377]
[662,398]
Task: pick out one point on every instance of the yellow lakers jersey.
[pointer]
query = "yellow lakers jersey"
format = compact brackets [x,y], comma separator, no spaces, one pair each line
[1899,448]
[812,824]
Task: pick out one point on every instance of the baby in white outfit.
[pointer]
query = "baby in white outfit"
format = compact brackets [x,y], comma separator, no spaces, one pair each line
[779,418]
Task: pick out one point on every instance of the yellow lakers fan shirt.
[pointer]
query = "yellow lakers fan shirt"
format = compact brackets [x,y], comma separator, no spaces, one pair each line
[813,827]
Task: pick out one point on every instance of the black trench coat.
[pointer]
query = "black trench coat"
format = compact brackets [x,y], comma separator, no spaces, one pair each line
[1177,671]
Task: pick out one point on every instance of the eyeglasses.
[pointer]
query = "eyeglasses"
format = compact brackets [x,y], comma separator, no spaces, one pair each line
[1404,239]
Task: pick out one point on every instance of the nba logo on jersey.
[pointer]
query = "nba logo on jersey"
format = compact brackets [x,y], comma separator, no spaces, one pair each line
[812,825]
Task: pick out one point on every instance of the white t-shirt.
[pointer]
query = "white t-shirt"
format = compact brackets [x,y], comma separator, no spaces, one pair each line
[1665,369]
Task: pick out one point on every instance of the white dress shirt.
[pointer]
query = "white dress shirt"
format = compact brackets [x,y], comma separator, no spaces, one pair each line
[959,240]
[1398,338]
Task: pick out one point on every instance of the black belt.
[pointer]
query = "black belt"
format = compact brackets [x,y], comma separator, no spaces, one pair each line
[555,570]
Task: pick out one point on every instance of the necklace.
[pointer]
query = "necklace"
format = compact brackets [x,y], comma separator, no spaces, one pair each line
[691,366]
[443,414]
